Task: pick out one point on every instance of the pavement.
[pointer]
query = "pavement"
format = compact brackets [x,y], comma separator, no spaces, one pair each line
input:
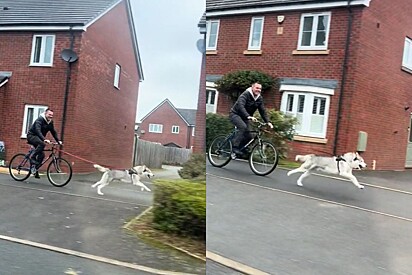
[80,231]
[272,226]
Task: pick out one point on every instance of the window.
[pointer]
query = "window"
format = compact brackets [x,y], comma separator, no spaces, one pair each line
[212,33]
[31,113]
[314,31]
[407,54]
[211,100]
[175,129]
[311,111]
[42,50]
[155,128]
[256,31]
[117,71]
[193,131]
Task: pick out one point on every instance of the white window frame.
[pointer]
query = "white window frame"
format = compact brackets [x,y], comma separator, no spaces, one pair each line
[193,131]
[208,34]
[37,111]
[41,62]
[155,128]
[407,54]
[117,73]
[211,108]
[307,115]
[252,24]
[312,45]
[175,129]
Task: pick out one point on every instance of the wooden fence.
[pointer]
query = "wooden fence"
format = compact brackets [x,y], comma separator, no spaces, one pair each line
[154,155]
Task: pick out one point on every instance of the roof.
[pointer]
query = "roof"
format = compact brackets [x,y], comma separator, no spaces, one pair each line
[188,115]
[52,12]
[222,7]
[61,15]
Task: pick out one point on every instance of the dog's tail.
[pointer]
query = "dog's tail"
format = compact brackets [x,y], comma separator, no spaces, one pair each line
[101,168]
[303,158]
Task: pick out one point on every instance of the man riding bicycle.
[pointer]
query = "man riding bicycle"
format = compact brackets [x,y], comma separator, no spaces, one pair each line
[36,137]
[242,112]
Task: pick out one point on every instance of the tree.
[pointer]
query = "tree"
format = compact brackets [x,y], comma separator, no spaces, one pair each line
[233,84]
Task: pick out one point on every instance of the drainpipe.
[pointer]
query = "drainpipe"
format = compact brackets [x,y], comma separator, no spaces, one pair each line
[343,79]
[66,94]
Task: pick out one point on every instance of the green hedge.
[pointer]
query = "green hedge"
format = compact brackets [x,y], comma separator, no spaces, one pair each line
[194,168]
[283,129]
[180,208]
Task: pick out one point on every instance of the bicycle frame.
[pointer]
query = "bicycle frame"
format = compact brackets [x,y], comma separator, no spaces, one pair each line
[51,155]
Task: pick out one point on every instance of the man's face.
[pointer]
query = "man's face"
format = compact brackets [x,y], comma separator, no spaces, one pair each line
[49,115]
[256,89]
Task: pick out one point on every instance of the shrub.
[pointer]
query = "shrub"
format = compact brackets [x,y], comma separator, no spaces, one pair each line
[180,207]
[216,124]
[233,84]
[194,168]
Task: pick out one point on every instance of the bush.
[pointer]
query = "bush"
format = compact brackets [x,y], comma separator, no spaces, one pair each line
[216,124]
[180,207]
[194,168]
[233,84]
[283,129]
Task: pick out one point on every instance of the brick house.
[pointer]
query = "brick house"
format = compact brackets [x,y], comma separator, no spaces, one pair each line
[169,126]
[101,98]
[344,69]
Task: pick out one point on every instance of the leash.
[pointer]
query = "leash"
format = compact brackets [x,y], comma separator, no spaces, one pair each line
[86,160]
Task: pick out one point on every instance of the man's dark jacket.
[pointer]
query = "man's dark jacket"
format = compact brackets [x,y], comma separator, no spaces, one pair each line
[40,128]
[246,106]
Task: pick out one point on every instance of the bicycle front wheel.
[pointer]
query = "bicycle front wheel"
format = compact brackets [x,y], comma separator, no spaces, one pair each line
[263,158]
[219,153]
[19,167]
[59,172]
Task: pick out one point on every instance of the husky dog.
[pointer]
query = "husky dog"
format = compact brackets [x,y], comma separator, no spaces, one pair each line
[132,175]
[342,165]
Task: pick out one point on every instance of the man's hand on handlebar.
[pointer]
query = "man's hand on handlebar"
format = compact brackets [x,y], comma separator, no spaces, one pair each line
[252,118]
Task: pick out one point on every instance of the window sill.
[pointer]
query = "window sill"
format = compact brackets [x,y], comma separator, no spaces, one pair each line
[40,65]
[310,139]
[406,69]
[211,52]
[252,52]
[311,52]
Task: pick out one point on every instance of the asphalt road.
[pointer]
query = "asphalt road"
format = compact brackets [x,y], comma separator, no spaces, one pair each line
[328,226]
[74,217]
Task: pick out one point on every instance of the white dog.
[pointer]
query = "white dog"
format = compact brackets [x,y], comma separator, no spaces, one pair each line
[342,166]
[132,175]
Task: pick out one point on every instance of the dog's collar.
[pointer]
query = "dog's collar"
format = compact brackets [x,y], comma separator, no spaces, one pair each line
[340,158]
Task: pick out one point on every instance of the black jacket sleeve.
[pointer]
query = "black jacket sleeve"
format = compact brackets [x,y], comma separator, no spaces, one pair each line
[241,103]
[37,129]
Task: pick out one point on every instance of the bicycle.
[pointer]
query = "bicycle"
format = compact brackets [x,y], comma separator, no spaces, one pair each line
[262,156]
[59,170]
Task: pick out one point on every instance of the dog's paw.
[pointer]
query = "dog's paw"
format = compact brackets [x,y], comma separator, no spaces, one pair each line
[290,172]
[100,193]
[299,183]
[361,186]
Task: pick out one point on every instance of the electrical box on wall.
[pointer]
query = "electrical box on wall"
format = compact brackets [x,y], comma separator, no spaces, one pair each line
[362,141]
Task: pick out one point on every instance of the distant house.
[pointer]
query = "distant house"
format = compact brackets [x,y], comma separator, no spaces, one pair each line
[169,126]
[344,70]
[97,110]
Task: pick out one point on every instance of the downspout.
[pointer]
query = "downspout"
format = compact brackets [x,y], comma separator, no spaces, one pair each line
[66,94]
[344,75]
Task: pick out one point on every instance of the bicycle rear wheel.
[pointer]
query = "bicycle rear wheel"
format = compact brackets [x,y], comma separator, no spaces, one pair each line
[219,153]
[19,167]
[263,158]
[59,172]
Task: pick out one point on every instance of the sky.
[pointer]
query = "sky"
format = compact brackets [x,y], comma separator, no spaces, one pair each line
[167,33]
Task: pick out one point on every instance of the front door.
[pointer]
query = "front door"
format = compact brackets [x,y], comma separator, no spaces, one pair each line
[408,163]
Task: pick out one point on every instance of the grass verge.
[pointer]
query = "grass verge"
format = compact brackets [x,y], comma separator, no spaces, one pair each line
[142,227]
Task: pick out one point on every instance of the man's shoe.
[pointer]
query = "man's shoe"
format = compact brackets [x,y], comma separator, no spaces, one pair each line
[36,175]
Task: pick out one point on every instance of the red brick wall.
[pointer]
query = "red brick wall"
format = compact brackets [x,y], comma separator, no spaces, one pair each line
[100,119]
[200,136]
[374,75]
[29,85]
[167,116]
